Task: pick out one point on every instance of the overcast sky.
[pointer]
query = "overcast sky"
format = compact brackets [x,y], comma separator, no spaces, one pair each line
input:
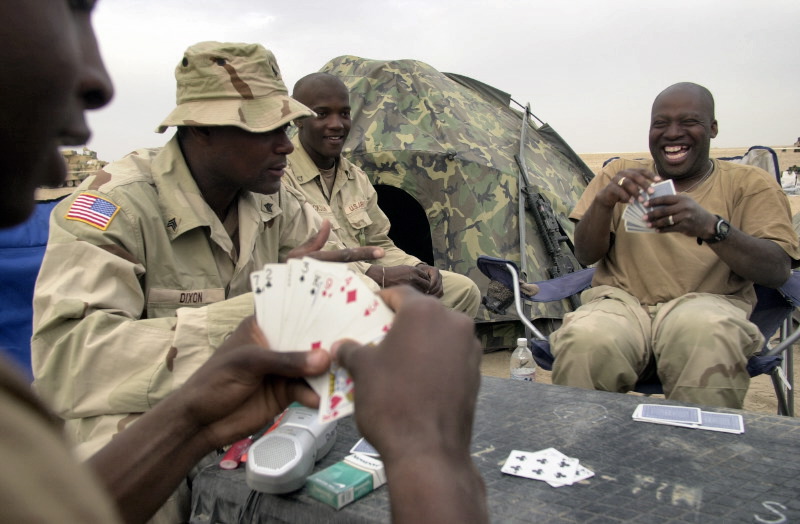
[588,68]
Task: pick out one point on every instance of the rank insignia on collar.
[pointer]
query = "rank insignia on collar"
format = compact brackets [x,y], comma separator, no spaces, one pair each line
[268,207]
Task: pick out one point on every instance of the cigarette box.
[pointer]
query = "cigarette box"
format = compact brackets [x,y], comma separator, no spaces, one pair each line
[347,480]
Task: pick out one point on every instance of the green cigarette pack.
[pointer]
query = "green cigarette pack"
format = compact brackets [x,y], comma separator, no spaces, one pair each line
[347,480]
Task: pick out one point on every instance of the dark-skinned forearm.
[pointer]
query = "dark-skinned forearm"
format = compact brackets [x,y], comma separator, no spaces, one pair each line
[436,489]
[757,259]
[143,464]
[592,234]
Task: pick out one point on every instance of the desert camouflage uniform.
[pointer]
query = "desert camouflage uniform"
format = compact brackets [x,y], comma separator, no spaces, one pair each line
[123,316]
[358,221]
[663,296]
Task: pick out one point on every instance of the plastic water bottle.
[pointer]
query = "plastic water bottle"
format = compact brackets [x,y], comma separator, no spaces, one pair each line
[523,367]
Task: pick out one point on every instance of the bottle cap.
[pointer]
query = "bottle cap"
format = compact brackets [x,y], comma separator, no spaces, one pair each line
[522,341]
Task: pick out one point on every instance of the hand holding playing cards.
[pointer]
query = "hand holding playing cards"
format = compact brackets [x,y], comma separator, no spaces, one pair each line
[244,385]
[679,214]
[239,390]
[313,248]
[628,185]
[415,396]
[592,237]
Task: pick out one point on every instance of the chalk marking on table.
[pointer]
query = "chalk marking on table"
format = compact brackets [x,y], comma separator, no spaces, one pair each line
[675,494]
[483,451]
[770,506]
[588,412]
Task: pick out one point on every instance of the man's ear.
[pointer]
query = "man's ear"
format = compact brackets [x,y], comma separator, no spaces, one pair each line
[714,128]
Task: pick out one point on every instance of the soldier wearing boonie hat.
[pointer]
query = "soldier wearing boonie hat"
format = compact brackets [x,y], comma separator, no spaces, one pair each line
[155,250]
[238,85]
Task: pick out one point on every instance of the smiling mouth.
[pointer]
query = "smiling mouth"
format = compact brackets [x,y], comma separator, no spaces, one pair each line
[675,153]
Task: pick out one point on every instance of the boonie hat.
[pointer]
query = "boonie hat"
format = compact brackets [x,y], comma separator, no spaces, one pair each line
[231,84]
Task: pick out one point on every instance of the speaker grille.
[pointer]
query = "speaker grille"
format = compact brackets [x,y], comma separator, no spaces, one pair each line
[275,453]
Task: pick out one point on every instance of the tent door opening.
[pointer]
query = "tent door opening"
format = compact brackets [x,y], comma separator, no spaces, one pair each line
[410,229]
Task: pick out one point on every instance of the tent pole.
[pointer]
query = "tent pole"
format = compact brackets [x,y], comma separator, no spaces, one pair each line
[521,217]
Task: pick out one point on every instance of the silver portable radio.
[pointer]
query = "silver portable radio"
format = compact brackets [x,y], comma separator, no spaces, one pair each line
[281,460]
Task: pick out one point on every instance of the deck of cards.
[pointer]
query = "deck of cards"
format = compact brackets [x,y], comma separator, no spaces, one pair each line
[689,417]
[548,465]
[635,211]
[307,304]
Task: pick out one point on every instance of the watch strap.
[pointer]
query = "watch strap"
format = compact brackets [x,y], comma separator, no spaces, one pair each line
[718,234]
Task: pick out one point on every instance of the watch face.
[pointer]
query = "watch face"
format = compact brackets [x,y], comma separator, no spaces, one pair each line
[723,228]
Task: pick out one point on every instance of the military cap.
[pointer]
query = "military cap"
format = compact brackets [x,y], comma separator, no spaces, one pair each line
[231,84]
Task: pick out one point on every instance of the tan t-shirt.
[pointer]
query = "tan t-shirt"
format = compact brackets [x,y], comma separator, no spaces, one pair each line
[657,267]
[41,481]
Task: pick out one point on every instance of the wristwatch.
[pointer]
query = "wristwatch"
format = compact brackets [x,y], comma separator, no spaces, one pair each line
[722,228]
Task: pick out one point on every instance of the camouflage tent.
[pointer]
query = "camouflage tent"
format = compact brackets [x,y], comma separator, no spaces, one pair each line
[449,147]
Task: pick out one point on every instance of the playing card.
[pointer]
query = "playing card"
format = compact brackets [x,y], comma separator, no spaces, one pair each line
[726,422]
[352,311]
[634,211]
[299,299]
[549,465]
[269,288]
[568,467]
[306,304]
[663,188]
[685,416]
[365,448]
[670,415]
[337,396]
[582,473]
[367,321]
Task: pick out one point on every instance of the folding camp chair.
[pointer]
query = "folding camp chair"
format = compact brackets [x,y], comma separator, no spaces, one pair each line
[773,313]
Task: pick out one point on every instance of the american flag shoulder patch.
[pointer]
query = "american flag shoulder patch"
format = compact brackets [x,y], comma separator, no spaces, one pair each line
[93,210]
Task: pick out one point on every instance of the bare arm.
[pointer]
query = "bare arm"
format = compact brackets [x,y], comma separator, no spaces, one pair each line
[313,247]
[241,388]
[757,259]
[592,233]
[427,427]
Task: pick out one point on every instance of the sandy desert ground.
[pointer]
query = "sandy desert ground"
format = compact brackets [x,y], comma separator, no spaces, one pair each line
[761,396]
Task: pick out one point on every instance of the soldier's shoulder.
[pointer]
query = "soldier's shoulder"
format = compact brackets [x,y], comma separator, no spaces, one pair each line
[134,168]
[290,196]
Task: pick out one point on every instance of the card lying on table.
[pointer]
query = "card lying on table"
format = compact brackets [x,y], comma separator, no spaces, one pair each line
[549,465]
[689,417]
[307,304]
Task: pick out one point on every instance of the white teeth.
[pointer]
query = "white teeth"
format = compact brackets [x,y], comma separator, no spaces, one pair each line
[672,149]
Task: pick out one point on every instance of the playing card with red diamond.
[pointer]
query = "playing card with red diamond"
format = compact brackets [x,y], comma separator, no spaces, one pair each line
[309,305]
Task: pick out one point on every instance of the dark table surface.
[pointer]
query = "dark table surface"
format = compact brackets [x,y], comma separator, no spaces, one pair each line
[643,472]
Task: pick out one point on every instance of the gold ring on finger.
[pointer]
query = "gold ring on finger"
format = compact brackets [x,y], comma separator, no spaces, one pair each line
[621,181]
[671,221]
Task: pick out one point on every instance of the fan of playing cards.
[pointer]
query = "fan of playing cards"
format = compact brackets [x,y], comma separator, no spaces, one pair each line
[308,304]
[634,211]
